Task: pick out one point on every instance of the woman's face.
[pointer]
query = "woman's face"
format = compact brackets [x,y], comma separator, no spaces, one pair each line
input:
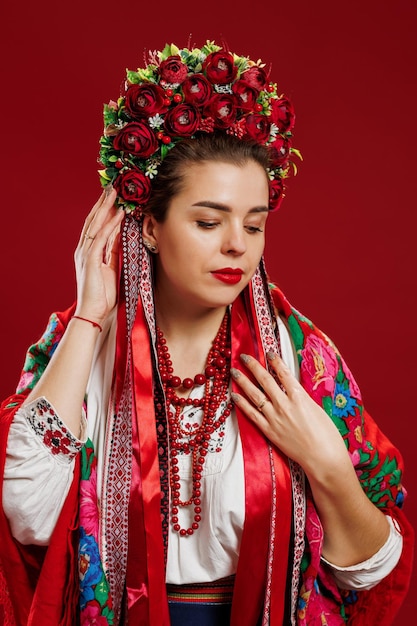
[212,239]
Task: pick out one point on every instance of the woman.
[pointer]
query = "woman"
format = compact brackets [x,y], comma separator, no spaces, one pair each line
[210,483]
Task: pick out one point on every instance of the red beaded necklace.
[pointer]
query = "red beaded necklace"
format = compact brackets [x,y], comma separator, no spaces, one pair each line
[194,441]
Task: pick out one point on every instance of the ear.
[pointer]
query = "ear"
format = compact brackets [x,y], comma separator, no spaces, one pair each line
[150,229]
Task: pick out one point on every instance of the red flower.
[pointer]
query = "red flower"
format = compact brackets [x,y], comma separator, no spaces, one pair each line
[276,194]
[136,138]
[182,120]
[282,114]
[219,67]
[256,77]
[56,441]
[145,100]
[280,150]
[258,127]
[222,108]
[173,70]
[196,89]
[245,94]
[133,186]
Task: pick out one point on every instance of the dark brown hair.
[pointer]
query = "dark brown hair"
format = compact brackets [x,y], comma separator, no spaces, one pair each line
[205,147]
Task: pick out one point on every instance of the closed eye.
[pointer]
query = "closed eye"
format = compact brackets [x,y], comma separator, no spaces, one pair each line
[202,224]
[254,229]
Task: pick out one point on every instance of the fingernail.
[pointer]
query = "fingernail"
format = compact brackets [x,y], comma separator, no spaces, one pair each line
[108,189]
[235,373]
[245,358]
[235,397]
[271,355]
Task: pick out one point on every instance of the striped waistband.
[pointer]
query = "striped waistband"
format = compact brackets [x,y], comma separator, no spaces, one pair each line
[217,592]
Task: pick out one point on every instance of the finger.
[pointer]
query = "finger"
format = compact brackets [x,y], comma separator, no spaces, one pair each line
[287,379]
[255,395]
[264,378]
[251,411]
[104,240]
[111,256]
[97,216]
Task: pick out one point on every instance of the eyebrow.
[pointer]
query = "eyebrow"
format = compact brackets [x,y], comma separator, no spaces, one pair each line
[223,207]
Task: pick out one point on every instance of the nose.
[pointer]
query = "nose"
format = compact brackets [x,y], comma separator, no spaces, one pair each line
[234,241]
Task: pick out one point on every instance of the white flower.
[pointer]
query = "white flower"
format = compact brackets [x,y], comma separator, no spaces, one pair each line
[156,121]
[223,88]
[151,169]
[274,130]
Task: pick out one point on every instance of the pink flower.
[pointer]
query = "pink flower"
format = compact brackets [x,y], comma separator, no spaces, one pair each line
[354,389]
[88,505]
[90,616]
[25,381]
[318,368]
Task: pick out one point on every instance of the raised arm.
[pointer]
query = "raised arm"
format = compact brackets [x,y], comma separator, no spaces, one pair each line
[96,259]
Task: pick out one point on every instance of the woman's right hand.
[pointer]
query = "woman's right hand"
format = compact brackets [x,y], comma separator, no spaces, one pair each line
[96,259]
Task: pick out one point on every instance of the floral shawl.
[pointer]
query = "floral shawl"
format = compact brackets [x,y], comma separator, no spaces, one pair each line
[71,580]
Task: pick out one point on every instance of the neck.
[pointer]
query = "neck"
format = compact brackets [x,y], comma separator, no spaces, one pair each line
[178,318]
[189,335]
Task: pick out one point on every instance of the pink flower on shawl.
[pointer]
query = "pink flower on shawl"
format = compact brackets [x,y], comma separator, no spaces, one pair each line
[318,368]
[355,391]
[25,381]
[90,616]
[355,458]
[88,505]
[315,608]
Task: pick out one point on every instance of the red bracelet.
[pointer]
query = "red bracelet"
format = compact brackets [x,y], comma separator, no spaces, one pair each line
[91,322]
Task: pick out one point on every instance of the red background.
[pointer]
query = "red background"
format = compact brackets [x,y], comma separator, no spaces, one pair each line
[343,245]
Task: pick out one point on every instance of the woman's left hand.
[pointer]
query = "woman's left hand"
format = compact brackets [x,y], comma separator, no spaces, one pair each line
[288,416]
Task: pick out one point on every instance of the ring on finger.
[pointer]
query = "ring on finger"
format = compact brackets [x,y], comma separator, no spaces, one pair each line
[87,236]
[262,403]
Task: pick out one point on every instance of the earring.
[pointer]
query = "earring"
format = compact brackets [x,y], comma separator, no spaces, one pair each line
[150,246]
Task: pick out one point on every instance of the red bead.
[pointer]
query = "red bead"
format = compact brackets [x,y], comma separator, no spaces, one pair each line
[159,135]
[199,379]
[178,97]
[258,106]
[175,381]
[177,527]
[197,509]
[183,532]
[210,371]
[167,102]
[220,362]
[174,519]
[187,383]
[166,139]
[194,526]
[169,92]
[197,518]
[190,531]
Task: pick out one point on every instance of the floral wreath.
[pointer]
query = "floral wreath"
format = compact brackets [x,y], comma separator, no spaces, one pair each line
[184,92]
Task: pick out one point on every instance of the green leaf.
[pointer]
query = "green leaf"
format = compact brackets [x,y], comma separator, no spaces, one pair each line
[133,77]
[296,332]
[327,404]
[297,153]
[104,175]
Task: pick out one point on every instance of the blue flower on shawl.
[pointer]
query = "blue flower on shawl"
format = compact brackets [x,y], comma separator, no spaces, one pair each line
[90,568]
[343,403]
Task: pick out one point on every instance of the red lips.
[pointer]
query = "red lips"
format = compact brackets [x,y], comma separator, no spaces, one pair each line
[228,275]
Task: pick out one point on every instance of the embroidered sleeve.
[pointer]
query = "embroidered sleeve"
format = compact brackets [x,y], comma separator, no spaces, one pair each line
[38,472]
[45,423]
